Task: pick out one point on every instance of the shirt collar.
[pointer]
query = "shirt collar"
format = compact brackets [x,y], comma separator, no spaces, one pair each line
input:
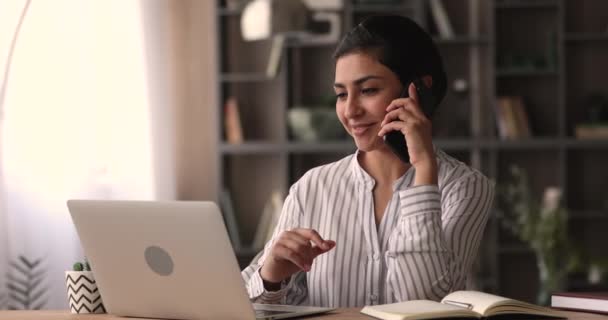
[360,174]
[365,179]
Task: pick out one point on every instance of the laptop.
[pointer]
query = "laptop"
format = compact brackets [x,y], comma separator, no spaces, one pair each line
[167,259]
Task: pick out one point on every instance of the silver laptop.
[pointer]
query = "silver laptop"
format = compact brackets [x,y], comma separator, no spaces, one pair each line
[168,260]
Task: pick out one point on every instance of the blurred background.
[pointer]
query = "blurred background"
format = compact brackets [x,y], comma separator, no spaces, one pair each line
[232,101]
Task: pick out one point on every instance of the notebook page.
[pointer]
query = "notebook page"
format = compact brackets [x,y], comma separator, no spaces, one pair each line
[417,309]
[480,301]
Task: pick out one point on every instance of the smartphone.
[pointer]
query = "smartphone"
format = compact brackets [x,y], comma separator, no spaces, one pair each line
[395,139]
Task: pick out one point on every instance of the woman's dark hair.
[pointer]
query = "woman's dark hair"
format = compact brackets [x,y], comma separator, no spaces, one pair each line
[402,46]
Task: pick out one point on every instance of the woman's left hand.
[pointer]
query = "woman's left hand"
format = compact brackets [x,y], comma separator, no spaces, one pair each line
[405,115]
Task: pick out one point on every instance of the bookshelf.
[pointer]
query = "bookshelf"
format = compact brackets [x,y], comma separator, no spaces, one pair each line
[570,35]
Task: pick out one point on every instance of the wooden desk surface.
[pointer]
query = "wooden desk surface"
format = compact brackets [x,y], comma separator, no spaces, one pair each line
[340,314]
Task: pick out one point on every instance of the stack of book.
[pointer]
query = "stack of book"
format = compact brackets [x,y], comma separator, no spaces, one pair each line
[586,302]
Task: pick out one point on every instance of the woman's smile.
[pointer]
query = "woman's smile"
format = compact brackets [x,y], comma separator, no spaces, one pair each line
[360,129]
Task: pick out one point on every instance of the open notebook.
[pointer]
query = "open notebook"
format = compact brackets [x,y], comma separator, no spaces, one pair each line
[459,304]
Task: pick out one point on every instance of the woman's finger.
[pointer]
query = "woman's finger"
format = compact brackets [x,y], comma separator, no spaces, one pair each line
[281,251]
[398,103]
[295,236]
[407,104]
[304,249]
[313,236]
[411,90]
[400,114]
[392,126]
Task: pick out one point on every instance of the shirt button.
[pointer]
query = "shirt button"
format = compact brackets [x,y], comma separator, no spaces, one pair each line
[373,297]
[376,256]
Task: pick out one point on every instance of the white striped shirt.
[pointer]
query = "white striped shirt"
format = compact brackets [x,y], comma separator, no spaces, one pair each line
[423,247]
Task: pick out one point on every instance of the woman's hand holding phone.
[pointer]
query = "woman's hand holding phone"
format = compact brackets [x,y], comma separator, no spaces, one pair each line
[293,251]
[405,115]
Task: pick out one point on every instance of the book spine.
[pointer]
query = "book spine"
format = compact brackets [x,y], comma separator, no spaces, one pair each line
[511,121]
[521,117]
[232,122]
[440,15]
[500,119]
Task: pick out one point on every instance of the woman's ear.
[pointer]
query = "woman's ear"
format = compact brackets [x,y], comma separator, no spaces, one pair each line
[428,81]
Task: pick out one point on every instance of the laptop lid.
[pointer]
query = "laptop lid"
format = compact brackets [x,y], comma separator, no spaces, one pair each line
[161,259]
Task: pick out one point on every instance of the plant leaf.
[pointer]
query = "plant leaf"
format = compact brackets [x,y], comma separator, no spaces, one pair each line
[14,289]
[20,269]
[18,299]
[34,284]
[35,296]
[37,274]
[27,263]
[11,278]
[31,264]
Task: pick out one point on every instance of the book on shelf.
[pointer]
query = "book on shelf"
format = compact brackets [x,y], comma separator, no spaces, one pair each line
[512,118]
[441,18]
[459,304]
[521,117]
[276,53]
[268,220]
[591,131]
[232,121]
[229,215]
[581,301]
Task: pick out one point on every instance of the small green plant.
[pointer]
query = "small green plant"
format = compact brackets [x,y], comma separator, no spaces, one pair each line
[80,266]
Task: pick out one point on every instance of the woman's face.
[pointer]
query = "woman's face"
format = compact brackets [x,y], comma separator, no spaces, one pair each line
[364,88]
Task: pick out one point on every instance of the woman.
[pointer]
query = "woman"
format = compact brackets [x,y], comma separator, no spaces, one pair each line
[399,231]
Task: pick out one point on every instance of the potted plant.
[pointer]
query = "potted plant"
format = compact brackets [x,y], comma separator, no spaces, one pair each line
[83,294]
[543,226]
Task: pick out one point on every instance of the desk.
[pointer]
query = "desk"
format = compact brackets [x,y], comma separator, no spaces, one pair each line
[340,314]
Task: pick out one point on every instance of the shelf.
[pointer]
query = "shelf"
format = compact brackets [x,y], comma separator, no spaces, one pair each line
[252,148]
[525,72]
[292,43]
[526,4]
[463,144]
[244,77]
[229,12]
[573,143]
[462,40]
[578,37]
[545,143]
[293,147]
[524,144]
[259,147]
[384,8]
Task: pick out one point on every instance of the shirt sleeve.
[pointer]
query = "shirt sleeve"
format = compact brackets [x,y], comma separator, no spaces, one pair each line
[437,237]
[294,290]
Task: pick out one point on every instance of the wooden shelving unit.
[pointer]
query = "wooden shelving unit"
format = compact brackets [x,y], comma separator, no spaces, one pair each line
[464,126]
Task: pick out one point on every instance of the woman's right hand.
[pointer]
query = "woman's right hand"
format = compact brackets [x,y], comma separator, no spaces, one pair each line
[293,251]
